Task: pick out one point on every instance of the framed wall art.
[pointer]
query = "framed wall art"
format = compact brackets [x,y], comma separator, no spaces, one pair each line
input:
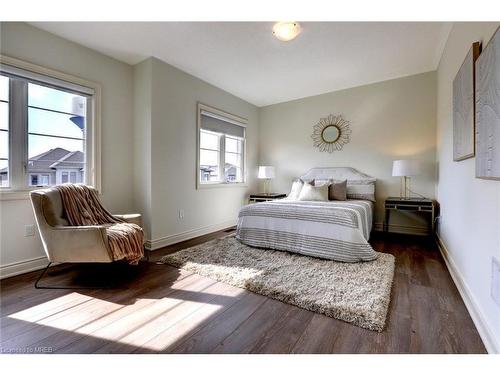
[464,106]
[488,110]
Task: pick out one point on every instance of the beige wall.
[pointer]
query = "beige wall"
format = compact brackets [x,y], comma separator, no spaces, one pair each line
[27,43]
[470,208]
[148,145]
[142,142]
[173,157]
[389,120]
[148,152]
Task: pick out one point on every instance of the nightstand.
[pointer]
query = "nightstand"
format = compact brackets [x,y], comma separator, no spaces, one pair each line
[425,205]
[265,197]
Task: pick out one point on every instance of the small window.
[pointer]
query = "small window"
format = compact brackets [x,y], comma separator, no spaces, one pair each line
[45,180]
[221,152]
[64,177]
[33,179]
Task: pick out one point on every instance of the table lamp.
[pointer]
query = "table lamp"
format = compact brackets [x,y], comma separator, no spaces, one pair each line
[267,173]
[405,169]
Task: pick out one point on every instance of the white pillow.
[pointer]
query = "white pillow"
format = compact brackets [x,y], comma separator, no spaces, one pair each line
[318,182]
[296,188]
[362,189]
[314,193]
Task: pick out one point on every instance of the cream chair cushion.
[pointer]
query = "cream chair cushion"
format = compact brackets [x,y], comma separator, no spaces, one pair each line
[73,244]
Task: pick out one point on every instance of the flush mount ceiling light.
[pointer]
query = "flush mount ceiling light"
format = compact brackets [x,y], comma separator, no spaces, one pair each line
[286,31]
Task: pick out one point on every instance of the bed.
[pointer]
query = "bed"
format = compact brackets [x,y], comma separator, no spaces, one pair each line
[334,230]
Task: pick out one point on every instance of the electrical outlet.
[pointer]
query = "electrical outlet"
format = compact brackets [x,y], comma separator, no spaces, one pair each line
[495,280]
[29,230]
[181,213]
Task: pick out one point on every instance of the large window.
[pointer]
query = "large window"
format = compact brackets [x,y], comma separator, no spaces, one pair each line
[56,135]
[221,152]
[46,130]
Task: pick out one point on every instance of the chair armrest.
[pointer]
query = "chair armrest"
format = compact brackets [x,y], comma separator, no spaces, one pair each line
[79,228]
[131,218]
[77,244]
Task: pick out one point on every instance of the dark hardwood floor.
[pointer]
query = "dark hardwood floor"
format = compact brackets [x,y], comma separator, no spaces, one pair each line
[155,308]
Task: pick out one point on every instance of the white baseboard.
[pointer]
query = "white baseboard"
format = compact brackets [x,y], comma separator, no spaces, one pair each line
[187,235]
[24,266]
[34,264]
[482,326]
[403,229]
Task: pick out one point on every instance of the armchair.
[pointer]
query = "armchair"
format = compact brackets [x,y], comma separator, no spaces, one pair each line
[69,244]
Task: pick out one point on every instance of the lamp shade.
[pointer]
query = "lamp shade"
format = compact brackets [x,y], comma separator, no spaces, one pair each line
[266,172]
[405,167]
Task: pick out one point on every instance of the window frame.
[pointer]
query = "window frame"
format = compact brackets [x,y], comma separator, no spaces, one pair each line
[219,149]
[19,187]
[241,154]
[240,121]
[8,131]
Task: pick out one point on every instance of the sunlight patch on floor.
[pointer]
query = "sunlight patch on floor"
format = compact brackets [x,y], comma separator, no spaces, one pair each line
[35,313]
[151,323]
[171,327]
[173,334]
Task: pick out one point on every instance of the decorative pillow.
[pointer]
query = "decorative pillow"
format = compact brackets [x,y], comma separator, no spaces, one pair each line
[361,189]
[313,193]
[296,188]
[319,182]
[337,191]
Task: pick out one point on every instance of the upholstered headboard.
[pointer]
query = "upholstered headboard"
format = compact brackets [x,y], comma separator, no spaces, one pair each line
[336,173]
[359,185]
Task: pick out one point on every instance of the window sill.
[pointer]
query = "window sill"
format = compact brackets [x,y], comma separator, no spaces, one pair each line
[15,195]
[222,185]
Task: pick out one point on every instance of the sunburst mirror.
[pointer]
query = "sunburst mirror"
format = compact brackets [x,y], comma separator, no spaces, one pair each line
[331,133]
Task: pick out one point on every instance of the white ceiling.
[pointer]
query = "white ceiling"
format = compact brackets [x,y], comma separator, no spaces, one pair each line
[245,59]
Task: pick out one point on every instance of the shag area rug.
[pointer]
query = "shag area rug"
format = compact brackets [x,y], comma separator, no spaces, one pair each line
[358,293]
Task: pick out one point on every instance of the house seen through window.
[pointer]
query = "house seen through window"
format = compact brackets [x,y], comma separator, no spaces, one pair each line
[52,120]
[56,136]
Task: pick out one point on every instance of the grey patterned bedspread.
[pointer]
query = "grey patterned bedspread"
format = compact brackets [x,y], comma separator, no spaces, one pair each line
[335,230]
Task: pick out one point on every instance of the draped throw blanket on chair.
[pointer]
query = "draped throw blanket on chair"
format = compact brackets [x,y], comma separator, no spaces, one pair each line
[83,207]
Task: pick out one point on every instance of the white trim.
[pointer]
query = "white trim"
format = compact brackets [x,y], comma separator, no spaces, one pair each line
[45,79]
[15,195]
[210,185]
[95,168]
[482,326]
[23,266]
[221,115]
[403,229]
[187,235]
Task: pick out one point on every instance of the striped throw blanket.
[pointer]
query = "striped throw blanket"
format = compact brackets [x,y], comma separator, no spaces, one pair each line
[83,207]
[335,230]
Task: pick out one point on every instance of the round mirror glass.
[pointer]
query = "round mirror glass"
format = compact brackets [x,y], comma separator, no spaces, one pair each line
[330,134]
